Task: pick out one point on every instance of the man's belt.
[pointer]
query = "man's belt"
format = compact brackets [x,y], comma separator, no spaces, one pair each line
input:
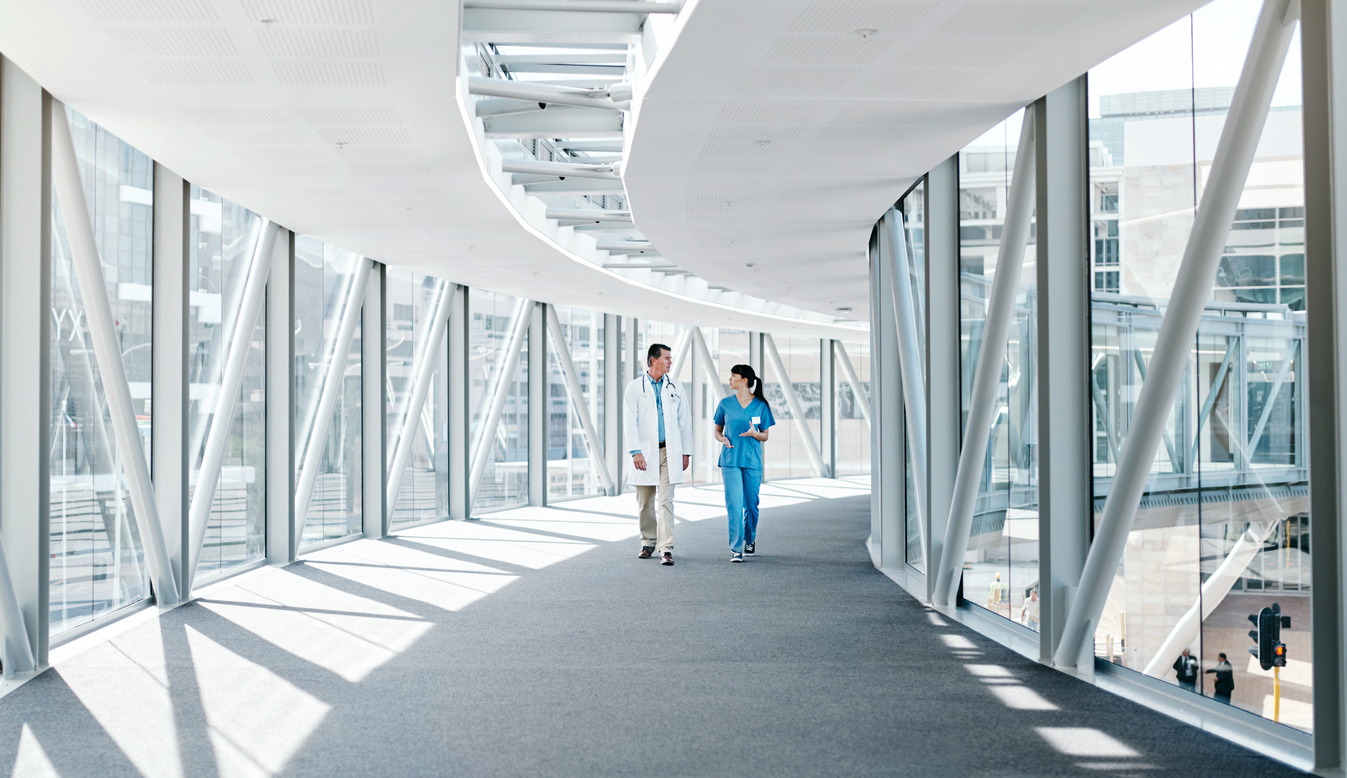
[661,444]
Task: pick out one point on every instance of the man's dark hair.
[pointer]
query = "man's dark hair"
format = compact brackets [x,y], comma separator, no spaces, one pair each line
[655,351]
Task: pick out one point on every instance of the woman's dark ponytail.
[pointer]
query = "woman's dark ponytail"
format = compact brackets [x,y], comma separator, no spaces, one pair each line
[746,372]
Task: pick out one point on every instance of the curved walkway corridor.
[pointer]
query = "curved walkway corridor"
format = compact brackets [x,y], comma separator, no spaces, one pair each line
[533,642]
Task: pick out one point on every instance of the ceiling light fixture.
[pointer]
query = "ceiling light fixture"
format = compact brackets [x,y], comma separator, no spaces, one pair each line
[866,33]
[843,309]
[267,21]
[750,264]
[762,144]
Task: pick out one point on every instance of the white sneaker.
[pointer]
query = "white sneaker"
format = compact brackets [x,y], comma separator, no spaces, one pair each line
[736,557]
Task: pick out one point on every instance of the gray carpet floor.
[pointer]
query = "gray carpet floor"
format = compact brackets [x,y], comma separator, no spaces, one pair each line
[568,656]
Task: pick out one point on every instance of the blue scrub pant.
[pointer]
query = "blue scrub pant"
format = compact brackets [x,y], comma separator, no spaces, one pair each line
[741,503]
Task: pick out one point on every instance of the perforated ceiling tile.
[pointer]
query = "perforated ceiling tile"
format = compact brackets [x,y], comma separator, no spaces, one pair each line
[258,136]
[366,135]
[173,41]
[142,11]
[849,15]
[741,151]
[968,53]
[379,154]
[351,117]
[291,168]
[278,153]
[763,77]
[322,73]
[882,114]
[793,192]
[846,150]
[349,12]
[413,195]
[733,167]
[1010,19]
[752,132]
[389,169]
[770,113]
[346,44]
[832,50]
[923,81]
[864,133]
[235,117]
[178,71]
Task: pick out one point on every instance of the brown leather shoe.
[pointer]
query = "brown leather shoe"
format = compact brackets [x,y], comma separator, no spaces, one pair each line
[667,559]
[646,551]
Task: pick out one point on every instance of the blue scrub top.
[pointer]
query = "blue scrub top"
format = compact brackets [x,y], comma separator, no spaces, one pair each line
[747,452]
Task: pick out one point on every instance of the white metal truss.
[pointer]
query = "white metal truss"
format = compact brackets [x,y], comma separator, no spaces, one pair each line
[592,439]
[708,364]
[982,405]
[226,398]
[857,391]
[333,376]
[796,408]
[1192,286]
[88,268]
[495,401]
[18,651]
[413,410]
[893,247]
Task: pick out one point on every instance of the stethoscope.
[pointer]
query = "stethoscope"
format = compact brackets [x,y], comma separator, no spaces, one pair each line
[672,387]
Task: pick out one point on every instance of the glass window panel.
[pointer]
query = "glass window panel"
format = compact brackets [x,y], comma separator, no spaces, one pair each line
[504,481]
[423,494]
[571,469]
[323,278]
[853,432]
[222,238]
[97,558]
[1233,449]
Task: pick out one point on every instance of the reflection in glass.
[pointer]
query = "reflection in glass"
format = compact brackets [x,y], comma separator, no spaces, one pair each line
[572,470]
[97,559]
[424,492]
[505,478]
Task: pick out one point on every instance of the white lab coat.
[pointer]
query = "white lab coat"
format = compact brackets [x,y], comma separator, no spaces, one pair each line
[641,429]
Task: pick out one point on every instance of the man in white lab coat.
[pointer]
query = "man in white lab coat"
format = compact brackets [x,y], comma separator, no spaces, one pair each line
[657,423]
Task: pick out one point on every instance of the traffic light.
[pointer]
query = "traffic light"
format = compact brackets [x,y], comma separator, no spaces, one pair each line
[1269,649]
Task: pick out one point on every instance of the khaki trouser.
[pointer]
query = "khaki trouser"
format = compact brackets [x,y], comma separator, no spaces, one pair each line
[662,536]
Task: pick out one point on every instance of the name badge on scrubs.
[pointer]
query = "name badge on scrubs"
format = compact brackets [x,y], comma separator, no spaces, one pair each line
[756,421]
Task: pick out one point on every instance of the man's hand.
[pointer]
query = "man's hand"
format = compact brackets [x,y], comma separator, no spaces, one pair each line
[686,459]
[638,460]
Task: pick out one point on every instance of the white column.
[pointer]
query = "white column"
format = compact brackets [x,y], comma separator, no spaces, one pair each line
[25,368]
[827,371]
[459,442]
[893,248]
[613,387]
[107,351]
[539,404]
[373,406]
[942,352]
[282,542]
[1192,287]
[333,377]
[996,333]
[170,464]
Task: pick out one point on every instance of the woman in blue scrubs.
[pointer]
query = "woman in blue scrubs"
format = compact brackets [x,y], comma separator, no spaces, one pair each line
[741,423]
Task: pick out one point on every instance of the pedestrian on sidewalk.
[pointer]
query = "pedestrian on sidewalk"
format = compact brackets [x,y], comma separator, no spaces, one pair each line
[656,421]
[741,423]
[1185,668]
[1225,679]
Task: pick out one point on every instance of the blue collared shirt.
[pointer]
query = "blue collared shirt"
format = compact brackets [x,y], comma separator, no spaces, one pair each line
[659,405]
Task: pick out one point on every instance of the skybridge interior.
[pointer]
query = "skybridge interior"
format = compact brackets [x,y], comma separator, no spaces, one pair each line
[316,318]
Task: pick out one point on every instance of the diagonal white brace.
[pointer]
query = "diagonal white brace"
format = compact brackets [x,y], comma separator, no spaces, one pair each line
[796,408]
[680,353]
[708,364]
[423,369]
[857,391]
[226,399]
[982,405]
[592,439]
[893,244]
[18,652]
[495,402]
[65,176]
[333,378]
[1192,286]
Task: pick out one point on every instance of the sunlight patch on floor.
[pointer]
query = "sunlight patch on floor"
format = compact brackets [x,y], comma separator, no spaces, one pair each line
[487,540]
[32,761]
[415,575]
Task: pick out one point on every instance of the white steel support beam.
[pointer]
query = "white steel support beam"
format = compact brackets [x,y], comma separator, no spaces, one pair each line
[107,351]
[374,403]
[1196,274]
[635,364]
[708,364]
[552,95]
[597,458]
[282,542]
[495,401]
[567,170]
[942,350]
[1212,594]
[459,438]
[538,404]
[828,403]
[311,452]
[170,465]
[796,408]
[25,366]
[1065,425]
[1324,97]
[893,250]
[613,387]
[991,361]
[849,371]
[681,351]
[227,396]
[428,348]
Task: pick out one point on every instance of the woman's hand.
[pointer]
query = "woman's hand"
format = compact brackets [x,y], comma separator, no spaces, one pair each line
[758,436]
[720,436]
